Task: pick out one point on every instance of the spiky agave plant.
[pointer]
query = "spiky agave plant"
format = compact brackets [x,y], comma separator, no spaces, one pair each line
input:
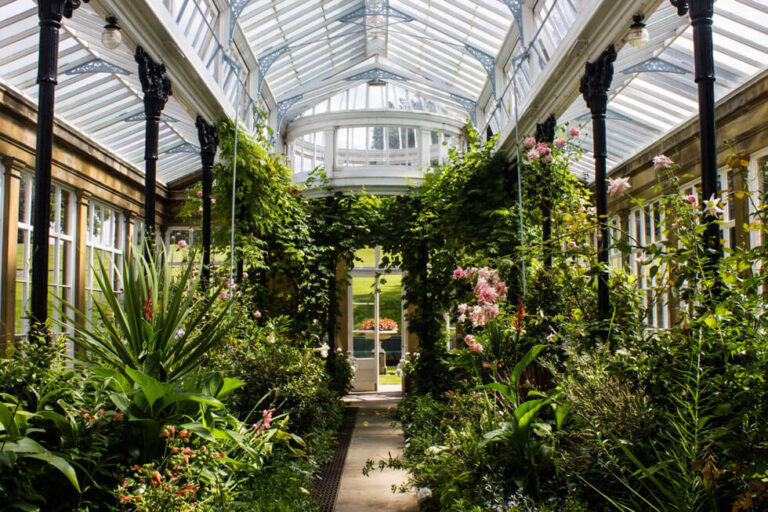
[162,325]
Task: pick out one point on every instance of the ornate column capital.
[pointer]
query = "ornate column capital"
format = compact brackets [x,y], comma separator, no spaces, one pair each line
[209,140]
[681,5]
[597,80]
[154,83]
[697,8]
[55,9]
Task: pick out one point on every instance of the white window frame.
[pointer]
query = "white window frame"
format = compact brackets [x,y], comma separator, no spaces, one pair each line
[61,247]
[645,229]
[756,184]
[112,242]
[725,189]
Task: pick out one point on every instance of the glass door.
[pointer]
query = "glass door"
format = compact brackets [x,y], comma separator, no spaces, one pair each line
[376,322]
[365,334]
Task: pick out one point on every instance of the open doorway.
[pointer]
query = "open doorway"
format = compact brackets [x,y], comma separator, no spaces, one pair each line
[376,327]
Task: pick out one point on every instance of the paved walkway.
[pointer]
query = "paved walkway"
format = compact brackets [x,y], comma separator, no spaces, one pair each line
[373,438]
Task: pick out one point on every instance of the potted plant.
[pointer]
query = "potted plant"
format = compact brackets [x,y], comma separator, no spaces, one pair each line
[387,327]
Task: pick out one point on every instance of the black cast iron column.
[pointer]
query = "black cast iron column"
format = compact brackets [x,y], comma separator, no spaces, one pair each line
[209,141]
[50,13]
[545,132]
[157,89]
[701,12]
[594,86]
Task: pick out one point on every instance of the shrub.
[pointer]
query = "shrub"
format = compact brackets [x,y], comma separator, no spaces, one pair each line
[279,373]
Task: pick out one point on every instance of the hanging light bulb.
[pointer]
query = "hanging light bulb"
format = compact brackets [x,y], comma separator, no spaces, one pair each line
[111,36]
[638,34]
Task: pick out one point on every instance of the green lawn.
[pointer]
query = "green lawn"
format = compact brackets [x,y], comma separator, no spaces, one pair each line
[390,298]
[390,377]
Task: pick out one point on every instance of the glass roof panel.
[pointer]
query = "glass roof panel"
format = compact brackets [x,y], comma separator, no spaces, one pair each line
[93,103]
[655,102]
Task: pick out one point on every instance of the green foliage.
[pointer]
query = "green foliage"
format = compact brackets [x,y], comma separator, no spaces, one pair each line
[20,453]
[66,416]
[278,373]
[158,325]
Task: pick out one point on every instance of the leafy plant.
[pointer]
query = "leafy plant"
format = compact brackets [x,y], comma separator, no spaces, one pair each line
[156,324]
[23,456]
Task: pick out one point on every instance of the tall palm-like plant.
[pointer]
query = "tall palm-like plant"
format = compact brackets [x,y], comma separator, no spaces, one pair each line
[161,326]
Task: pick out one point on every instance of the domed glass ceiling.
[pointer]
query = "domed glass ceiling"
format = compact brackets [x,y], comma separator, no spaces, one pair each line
[483,60]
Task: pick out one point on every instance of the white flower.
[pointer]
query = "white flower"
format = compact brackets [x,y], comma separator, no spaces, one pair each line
[424,493]
[324,349]
[712,206]
[179,333]
[618,186]
[271,338]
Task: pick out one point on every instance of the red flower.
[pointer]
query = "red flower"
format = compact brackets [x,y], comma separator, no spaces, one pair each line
[148,307]
[157,477]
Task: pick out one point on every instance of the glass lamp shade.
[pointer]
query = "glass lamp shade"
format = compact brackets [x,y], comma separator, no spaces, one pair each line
[639,37]
[111,36]
[638,34]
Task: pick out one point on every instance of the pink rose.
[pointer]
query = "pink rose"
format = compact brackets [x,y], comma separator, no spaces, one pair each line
[459,273]
[476,347]
[199,193]
[618,186]
[694,200]
[533,155]
[529,142]
[574,131]
[543,148]
[224,296]
[182,244]
[257,314]
[662,162]
[469,339]
[559,143]
[213,200]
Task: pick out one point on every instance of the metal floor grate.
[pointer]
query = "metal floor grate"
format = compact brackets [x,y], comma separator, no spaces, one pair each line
[327,488]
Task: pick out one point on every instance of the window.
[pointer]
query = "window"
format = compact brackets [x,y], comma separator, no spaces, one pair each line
[440,142]
[308,152]
[758,187]
[376,145]
[645,229]
[615,255]
[728,230]
[105,243]
[61,263]
[390,97]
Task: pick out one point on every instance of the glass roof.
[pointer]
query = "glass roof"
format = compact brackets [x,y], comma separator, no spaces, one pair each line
[653,88]
[302,56]
[99,104]
[392,96]
[310,49]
